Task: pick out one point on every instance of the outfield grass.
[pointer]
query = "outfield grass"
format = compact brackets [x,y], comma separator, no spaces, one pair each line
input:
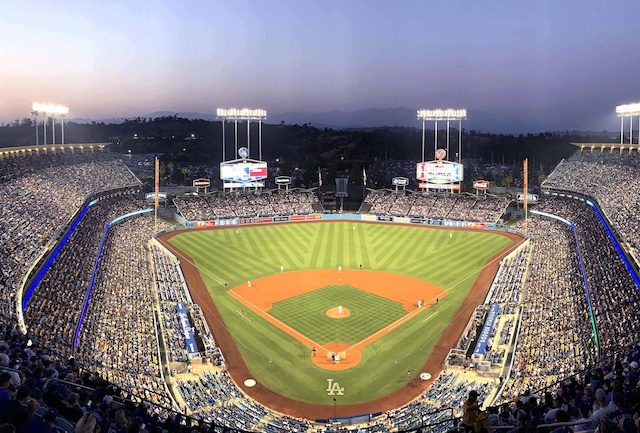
[282,363]
[307,314]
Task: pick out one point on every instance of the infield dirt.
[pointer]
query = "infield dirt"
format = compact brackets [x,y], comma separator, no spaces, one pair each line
[277,287]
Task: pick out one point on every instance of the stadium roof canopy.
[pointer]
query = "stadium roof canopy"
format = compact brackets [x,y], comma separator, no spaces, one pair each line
[50,148]
[608,146]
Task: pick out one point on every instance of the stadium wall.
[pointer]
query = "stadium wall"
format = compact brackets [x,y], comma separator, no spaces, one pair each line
[434,222]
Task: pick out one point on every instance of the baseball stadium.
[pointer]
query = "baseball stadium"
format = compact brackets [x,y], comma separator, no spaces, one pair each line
[276,309]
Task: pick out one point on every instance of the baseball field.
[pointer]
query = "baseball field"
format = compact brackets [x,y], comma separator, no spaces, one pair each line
[335,313]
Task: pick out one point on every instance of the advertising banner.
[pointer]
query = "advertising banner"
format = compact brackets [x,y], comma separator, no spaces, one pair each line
[187,330]
[229,222]
[485,335]
[481,184]
[283,180]
[205,223]
[201,183]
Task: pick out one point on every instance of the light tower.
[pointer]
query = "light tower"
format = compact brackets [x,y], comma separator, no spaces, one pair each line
[240,114]
[49,111]
[448,115]
[628,110]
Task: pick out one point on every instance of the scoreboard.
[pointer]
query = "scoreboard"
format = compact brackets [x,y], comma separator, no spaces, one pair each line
[439,172]
[243,172]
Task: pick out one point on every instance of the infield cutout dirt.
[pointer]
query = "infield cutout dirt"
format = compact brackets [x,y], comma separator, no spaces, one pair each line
[414,294]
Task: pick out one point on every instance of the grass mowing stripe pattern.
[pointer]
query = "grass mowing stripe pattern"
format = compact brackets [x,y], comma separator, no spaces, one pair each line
[307,314]
[276,359]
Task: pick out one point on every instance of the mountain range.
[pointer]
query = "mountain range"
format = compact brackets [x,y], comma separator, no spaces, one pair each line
[376,118]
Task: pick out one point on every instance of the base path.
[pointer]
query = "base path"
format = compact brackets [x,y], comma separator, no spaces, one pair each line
[415,296]
[265,396]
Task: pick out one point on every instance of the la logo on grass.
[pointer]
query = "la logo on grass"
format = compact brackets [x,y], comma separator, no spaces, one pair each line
[334,388]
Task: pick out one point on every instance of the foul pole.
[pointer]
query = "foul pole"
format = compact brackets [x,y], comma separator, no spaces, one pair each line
[155,218]
[526,194]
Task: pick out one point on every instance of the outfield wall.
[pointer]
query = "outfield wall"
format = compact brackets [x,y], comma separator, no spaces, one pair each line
[433,222]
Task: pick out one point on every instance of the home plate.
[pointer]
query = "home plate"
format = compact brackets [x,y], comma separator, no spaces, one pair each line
[249,383]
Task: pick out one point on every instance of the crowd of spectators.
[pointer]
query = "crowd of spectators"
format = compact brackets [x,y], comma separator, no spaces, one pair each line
[172,290]
[507,284]
[448,391]
[38,195]
[237,205]
[614,295]
[210,389]
[604,399]
[613,179]
[461,207]
[45,392]
[118,337]
[555,338]
[53,311]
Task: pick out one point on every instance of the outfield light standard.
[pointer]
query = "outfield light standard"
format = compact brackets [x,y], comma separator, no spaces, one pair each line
[49,111]
[448,115]
[628,110]
[248,114]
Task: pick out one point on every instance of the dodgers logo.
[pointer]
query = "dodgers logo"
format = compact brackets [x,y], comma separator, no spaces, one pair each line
[334,388]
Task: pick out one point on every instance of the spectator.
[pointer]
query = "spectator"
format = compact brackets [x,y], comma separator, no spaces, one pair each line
[18,410]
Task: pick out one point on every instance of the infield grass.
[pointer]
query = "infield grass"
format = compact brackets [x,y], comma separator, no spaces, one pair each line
[306,314]
[281,362]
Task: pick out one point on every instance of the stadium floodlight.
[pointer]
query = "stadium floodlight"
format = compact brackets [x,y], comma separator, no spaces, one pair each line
[628,110]
[447,114]
[440,114]
[240,114]
[49,110]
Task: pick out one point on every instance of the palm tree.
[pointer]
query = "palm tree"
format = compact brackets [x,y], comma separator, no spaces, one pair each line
[185,172]
[162,170]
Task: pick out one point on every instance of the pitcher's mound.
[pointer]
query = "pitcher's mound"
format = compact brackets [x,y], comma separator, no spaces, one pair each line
[333,313]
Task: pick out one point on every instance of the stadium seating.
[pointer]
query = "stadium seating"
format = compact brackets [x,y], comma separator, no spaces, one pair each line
[458,207]
[274,203]
[131,287]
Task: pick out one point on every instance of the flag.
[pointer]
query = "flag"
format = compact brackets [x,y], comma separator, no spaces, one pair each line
[319,177]
[364,177]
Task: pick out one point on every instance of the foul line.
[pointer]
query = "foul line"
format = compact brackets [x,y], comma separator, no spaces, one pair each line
[300,337]
[430,316]
[373,337]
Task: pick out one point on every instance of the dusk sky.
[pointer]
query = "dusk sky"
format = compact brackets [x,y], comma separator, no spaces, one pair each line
[554,64]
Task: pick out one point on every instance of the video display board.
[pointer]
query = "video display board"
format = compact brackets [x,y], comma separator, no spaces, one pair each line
[243,171]
[439,172]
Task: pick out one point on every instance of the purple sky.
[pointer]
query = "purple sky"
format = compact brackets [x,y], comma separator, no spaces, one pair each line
[560,64]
